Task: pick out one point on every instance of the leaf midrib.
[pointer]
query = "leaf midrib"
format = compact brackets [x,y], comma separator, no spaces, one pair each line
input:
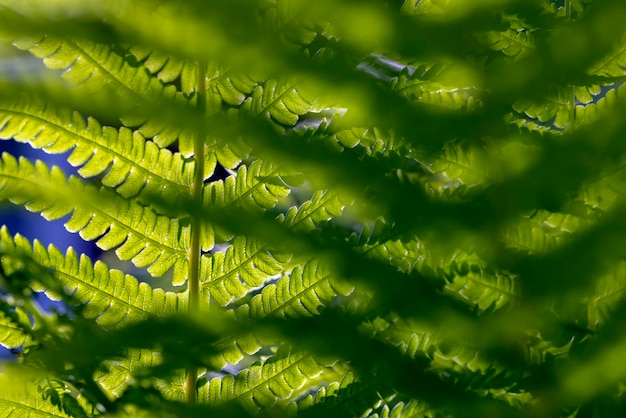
[262,249]
[94,144]
[128,229]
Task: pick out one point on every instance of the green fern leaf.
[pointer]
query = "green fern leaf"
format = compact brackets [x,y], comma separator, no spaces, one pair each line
[248,264]
[278,100]
[138,233]
[230,274]
[556,108]
[412,338]
[111,297]
[265,384]
[302,293]
[422,7]
[95,66]
[485,290]
[612,64]
[24,400]
[466,274]
[120,372]
[404,255]
[459,165]
[353,397]
[542,232]
[609,291]
[232,350]
[469,279]
[251,188]
[229,87]
[465,361]
[513,42]
[372,141]
[602,102]
[259,185]
[279,16]
[321,208]
[13,327]
[168,69]
[432,92]
[129,162]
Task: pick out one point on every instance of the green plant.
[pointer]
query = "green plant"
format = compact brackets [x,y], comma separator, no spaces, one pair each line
[421,214]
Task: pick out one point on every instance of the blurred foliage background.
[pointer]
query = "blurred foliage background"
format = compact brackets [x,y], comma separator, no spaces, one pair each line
[331,208]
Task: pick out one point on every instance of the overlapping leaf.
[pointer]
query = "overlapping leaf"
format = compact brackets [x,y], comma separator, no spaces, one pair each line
[129,162]
[120,372]
[251,188]
[136,232]
[273,381]
[422,87]
[25,401]
[13,328]
[111,297]
[608,294]
[247,264]
[542,231]
[304,292]
[95,67]
[278,100]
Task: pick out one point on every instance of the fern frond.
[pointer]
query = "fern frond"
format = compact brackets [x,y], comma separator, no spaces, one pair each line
[612,64]
[542,232]
[258,185]
[167,68]
[232,350]
[94,66]
[247,264]
[274,381]
[129,162]
[254,187]
[353,397]
[601,193]
[610,290]
[279,100]
[303,292]
[110,296]
[279,16]
[322,207]
[14,325]
[459,165]
[602,103]
[416,87]
[422,84]
[484,290]
[404,255]
[120,372]
[467,277]
[231,88]
[137,232]
[527,124]
[227,151]
[412,338]
[513,42]
[394,408]
[25,401]
[421,7]
[373,141]
[555,108]
[471,367]
[460,361]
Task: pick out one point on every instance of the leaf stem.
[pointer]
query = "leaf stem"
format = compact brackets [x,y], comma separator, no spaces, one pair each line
[572,98]
[194,252]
